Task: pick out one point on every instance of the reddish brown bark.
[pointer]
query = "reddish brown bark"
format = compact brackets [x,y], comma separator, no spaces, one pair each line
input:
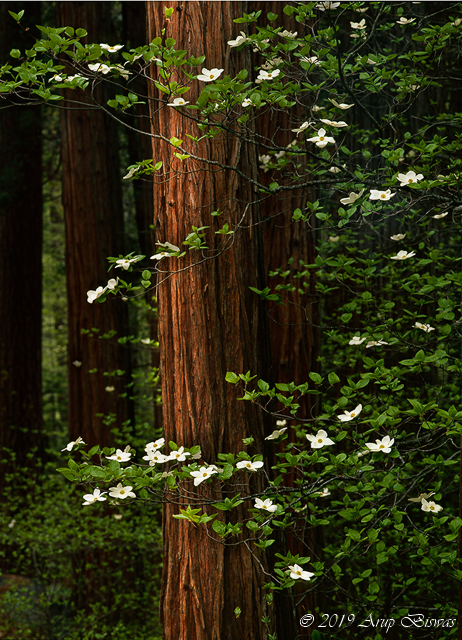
[94,230]
[210,323]
[20,266]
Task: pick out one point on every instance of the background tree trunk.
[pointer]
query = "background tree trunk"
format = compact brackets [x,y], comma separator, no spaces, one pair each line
[210,323]
[92,203]
[20,265]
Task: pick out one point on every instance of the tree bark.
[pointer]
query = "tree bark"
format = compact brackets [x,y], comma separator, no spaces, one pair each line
[92,203]
[210,323]
[20,265]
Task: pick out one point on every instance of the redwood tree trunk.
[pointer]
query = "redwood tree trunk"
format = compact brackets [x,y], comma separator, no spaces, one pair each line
[20,265]
[210,323]
[92,203]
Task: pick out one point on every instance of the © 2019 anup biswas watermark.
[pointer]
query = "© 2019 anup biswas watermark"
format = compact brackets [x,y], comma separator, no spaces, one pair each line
[411,621]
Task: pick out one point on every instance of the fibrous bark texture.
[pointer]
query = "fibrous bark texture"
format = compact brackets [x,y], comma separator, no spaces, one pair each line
[210,323]
[94,230]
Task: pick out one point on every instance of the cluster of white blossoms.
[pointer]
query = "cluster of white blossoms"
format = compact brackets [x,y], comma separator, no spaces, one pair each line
[97,293]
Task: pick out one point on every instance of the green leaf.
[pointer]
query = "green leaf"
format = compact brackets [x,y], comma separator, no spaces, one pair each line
[317,379]
[232,377]
[333,378]
[67,474]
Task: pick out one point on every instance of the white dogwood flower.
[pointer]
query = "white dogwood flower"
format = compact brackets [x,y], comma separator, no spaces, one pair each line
[297,572]
[431,506]
[99,68]
[179,455]
[422,496]
[109,389]
[247,102]
[375,343]
[93,295]
[333,123]
[265,504]
[440,215]
[325,6]
[112,283]
[70,445]
[153,446]
[381,195]
[411,177]
[321,139]
[268,75]
[356,340]
[324,493]
[312,60]
[319,440]
[112,49]
[404,20]
[239,40]
[425,327]
[302,127]
[121,492]
[177,102]
[77,363]
[250,466]
[352,197]
[403,255]
[120,456]
[277,432]
[209,75]
[125,263]
[383,445]
[350,415]
[341,105]
[202,474]
[288,34]
[155,457]
[96,496]
[358,25]
[398,236]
